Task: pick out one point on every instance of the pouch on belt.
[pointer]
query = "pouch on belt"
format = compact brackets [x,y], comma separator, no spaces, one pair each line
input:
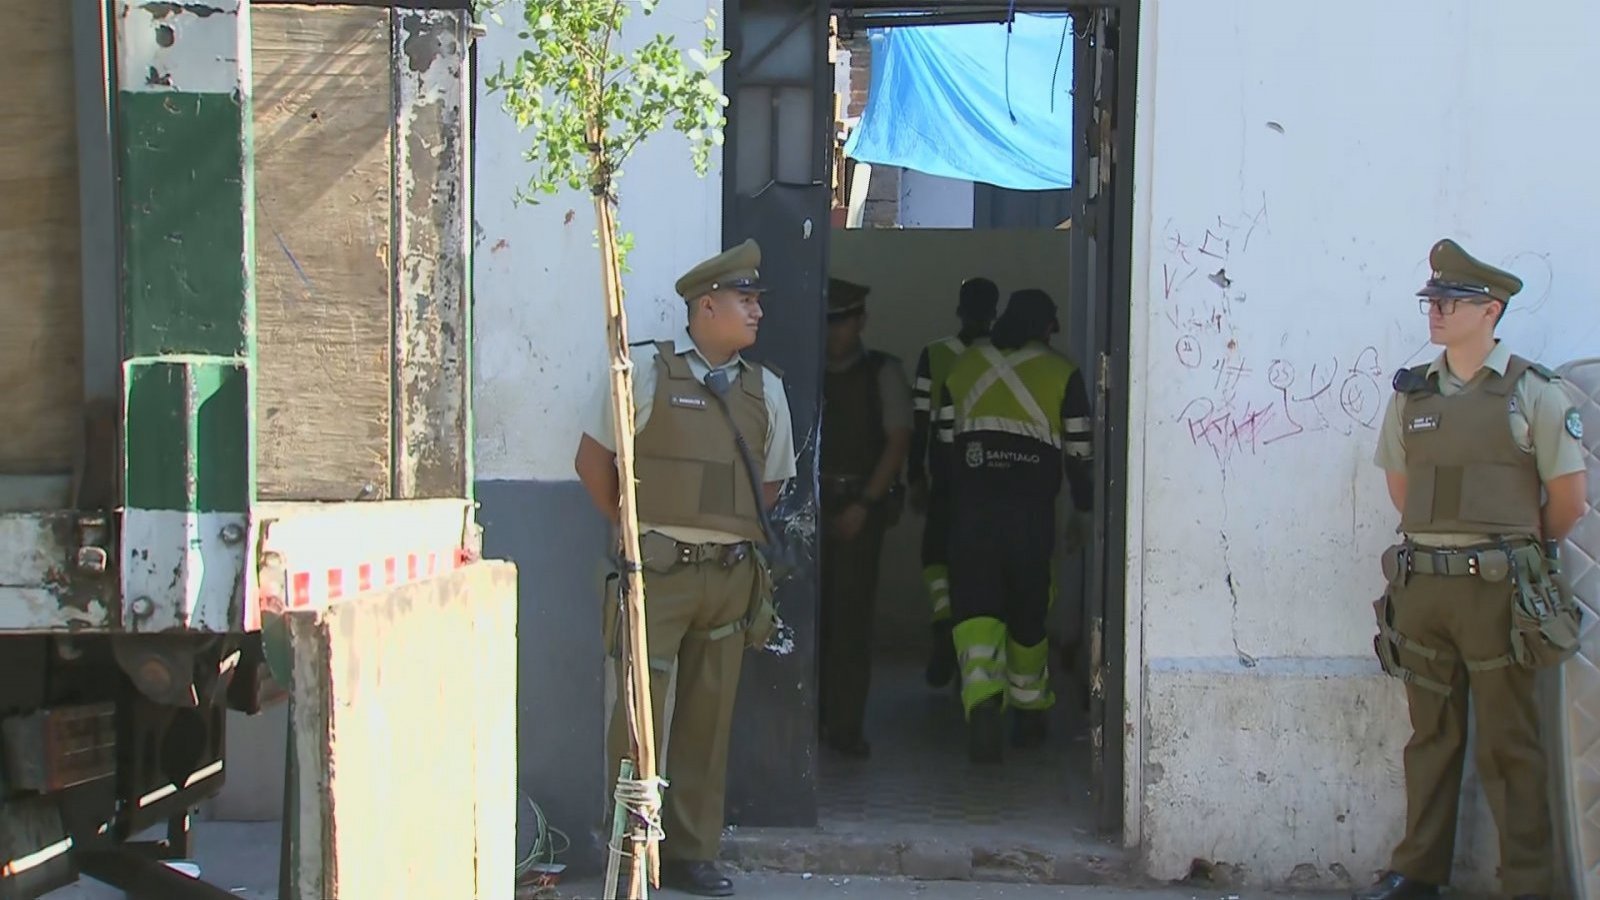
[1545,618]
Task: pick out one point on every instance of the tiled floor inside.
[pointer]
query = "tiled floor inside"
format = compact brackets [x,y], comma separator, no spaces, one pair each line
[919,777]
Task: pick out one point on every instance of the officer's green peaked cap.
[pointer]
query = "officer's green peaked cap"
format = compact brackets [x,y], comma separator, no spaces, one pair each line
[1457,273]
[845,296]
[737,269]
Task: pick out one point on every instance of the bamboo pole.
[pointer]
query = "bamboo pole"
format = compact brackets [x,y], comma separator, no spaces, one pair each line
[640,718]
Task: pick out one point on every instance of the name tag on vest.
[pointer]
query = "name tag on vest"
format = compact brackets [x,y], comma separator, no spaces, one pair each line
[689,402]
[1422,423]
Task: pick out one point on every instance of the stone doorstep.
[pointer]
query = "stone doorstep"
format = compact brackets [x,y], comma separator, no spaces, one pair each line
[923,857]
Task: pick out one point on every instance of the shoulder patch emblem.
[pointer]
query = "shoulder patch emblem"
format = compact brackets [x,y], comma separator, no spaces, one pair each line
[1574,424]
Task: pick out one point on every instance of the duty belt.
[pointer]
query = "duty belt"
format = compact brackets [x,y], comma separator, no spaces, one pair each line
[836,486]
[661,551]
[1463,561]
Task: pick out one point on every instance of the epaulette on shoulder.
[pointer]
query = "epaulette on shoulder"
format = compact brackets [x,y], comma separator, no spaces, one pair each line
[1412,380]
[1544,371]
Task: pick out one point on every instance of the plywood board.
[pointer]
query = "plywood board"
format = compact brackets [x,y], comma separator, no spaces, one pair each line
[404,782]
[41,368]
[323,120]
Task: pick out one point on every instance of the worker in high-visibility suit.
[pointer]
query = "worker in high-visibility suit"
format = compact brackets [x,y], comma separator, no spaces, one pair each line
[1016,416]
[930,496]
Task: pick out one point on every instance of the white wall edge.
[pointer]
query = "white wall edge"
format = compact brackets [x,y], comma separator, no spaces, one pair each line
[1138,405]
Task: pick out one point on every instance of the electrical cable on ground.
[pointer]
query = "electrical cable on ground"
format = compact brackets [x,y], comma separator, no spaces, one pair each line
[544,850]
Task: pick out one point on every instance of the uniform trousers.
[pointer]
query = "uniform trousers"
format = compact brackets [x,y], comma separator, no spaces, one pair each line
[849,603]
[681,605]
[936,549]
[1467,619]
[1000,588]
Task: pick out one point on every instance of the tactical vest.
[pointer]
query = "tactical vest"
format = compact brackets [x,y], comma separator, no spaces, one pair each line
[690,471]
[852,419]
[986,399]
[1464,470]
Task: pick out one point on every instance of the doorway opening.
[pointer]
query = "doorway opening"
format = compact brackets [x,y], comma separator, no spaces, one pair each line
[797,80]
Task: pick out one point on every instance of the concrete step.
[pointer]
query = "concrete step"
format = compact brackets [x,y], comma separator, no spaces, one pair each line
[935,853]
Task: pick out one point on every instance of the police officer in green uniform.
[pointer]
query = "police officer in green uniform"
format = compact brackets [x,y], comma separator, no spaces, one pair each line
[979,300]
[1016,416]
[866,431]
[699,526]
[1474,607]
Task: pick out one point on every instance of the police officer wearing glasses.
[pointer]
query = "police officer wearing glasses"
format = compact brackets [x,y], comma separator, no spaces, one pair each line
[1481,449]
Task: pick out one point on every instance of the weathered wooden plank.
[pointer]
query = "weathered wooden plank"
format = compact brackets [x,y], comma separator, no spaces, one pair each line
[432,188]
[371,720]
[323,100]
[41,378]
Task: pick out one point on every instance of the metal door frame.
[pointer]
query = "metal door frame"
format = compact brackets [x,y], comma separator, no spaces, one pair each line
[772,781]
[1109,320]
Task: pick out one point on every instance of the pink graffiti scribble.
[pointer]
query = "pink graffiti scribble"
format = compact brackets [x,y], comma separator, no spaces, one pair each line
[1225,431]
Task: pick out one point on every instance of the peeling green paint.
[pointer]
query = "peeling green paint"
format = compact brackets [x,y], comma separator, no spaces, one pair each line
[187,227]
[188,435]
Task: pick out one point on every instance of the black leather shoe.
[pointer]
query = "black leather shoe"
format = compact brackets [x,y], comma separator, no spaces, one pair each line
[986,733]
[1394,886]
[694,876]
[1029,728]
[856,748]
[941,658]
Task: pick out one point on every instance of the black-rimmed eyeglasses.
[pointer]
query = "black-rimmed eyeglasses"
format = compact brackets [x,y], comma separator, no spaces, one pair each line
[1447,305]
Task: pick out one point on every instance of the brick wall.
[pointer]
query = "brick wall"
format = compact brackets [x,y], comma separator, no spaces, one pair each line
[882,207]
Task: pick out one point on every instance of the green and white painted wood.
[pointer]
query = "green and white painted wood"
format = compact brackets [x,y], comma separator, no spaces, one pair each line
[187,198]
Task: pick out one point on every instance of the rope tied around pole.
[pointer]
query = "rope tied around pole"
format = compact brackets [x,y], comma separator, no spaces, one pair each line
[641,799]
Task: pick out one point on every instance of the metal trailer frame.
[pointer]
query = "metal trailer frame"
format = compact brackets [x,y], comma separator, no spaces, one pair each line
[165,550]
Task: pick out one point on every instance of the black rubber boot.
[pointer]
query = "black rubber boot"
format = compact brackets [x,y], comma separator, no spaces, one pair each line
[941,666]
[986,733]
[1029,727]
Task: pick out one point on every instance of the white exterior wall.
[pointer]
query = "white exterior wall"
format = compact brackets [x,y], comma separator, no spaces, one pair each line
[933,201]
[539,319]
[1312,155]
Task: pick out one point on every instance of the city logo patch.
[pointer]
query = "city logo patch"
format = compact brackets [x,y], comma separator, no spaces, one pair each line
[689,402]
[974,455]
[1574,424]
[1422,423]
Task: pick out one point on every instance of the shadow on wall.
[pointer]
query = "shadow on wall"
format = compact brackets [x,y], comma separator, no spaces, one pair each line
[557,540]
[915,276]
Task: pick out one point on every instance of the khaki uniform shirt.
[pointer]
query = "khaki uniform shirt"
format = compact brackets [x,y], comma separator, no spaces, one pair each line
[778,460]
[1538,425]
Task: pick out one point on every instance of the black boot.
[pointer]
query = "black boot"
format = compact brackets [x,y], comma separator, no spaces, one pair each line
[986,733]
[942,657]
[1029,727]
[852,747]
[1394,886]
[698,877]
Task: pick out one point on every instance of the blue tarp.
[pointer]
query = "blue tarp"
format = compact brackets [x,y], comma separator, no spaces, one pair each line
[938,103]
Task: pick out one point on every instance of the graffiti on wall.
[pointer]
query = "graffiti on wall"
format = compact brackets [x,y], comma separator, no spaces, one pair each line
[1242,400]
